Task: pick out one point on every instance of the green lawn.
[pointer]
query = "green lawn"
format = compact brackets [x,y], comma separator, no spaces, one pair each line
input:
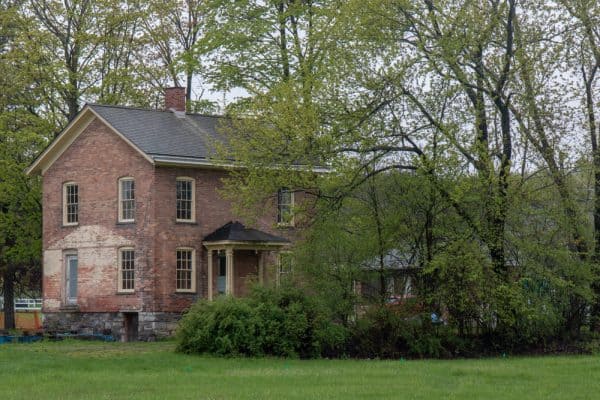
[84,370]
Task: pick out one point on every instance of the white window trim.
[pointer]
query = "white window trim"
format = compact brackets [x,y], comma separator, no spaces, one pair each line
[64,204]
[120,270]
[186,178]
[289,223]
[66,256]
[120,200]
[279,265]
[193,286]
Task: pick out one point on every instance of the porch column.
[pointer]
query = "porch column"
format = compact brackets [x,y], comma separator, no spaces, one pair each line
[261,267]
[210,275]
[229,272]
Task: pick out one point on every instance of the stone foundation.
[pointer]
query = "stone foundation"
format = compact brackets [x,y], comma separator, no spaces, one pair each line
[156,325]
[151,325]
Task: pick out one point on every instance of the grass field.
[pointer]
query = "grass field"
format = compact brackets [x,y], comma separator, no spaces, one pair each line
[85,370]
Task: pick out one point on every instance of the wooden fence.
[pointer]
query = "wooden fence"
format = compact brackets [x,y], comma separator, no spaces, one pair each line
[30,320]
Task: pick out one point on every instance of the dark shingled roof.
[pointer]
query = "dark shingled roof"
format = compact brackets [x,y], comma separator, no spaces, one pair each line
[236,232]
[165,133]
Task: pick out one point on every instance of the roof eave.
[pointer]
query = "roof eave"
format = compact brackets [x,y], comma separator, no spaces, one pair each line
[177,161]
[244,245]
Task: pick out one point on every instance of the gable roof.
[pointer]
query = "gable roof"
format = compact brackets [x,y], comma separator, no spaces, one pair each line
[169,138]
[165,133]
[237,232]
[162,137]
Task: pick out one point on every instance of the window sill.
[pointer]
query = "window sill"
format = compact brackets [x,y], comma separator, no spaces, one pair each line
[185,222]
[70,225]
[185,292]
[281,225]
[125,291]
[126,222]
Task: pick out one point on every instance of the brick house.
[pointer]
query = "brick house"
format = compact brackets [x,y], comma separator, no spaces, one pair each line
[134,229]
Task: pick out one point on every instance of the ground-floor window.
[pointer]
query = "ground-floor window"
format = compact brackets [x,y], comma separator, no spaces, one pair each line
[285,266]
[71,269]
[186,270]
[126,270]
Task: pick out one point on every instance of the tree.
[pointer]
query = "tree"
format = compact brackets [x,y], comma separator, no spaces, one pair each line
[586,59]
[90,50]
[22,135]
[432,88]
[173,32]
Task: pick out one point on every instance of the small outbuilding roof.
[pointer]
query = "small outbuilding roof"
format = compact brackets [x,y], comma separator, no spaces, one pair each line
[237,232]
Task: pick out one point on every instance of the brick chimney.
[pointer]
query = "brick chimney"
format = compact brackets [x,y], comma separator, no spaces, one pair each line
[175,98]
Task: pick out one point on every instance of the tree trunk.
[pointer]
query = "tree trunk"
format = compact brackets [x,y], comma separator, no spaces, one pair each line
[9,299]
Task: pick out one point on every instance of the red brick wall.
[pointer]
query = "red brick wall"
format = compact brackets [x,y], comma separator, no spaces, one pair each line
[246,271]
[212,212]
[95,161]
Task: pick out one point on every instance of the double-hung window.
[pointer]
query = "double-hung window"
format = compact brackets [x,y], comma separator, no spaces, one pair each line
[285,203]
[185,207]
[285,267]
[126,200]
[186,270]
[126,270]
[70,203]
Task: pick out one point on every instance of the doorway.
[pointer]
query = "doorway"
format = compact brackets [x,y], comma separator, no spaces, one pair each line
[130,325]
[222,273]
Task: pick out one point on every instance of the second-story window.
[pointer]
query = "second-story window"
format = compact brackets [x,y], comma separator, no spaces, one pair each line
[185,200]
[70,204]
[126,200]
[285,202]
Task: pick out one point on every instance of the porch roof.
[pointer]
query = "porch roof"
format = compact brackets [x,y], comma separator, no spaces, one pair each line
[235,233]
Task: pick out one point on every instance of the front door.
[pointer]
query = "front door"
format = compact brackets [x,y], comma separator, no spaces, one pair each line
[222,275]
[71,281]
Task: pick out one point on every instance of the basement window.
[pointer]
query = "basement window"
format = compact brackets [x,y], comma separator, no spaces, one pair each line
[70,204]
[186,270]
[126,270]
[185,200]
[126,200]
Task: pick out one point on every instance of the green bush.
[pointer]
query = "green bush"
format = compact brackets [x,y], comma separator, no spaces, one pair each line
[277,322]
[223,327]
[384,333]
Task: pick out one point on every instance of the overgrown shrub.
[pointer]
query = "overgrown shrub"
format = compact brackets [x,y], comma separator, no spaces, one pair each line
[277,322]
[385,333]
[289,323]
